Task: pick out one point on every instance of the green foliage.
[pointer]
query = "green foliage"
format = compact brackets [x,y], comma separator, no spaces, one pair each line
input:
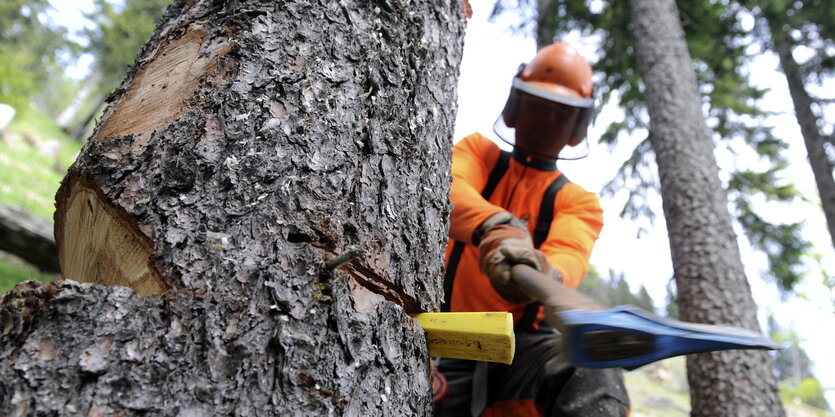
[15,83]
[635,176]
[791,361]
[807,24]
[810,23]
[615,291]
[29,46]
[794,369]
[29,179]
[644,300]
[808,391]
[717,41]
[119,33]
[781,243]
[827,279]
[55,93]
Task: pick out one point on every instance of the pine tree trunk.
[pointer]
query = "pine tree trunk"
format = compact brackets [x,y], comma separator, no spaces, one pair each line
[812,138]
[71,111]
[81,129]
[28,237]
[546,13]
[252,143]
[712,287]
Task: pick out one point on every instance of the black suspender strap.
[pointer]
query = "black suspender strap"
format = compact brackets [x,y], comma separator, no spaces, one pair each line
[496,174]
[458,247]
[540,233]
[529,317]
[546,211]
[449,275]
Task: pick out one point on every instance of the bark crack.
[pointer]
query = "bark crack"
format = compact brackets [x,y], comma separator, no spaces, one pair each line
[379,285]
[374,282]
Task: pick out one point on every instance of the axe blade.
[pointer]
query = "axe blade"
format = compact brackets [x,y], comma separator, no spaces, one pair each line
[628,337]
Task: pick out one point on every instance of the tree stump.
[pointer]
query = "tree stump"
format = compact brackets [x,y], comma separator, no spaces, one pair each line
[251,143]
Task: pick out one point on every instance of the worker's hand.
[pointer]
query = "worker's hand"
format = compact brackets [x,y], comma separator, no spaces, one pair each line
[501,247]
[542,264]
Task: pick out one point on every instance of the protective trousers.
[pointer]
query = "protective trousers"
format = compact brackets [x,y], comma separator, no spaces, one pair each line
[540,382]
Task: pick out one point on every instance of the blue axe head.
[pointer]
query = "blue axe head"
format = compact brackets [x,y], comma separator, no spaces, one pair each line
[625,336]
[628,337]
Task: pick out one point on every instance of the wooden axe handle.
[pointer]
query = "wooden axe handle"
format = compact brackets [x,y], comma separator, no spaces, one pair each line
[549,292]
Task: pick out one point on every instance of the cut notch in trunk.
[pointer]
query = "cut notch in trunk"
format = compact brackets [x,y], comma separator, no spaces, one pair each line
[97,243]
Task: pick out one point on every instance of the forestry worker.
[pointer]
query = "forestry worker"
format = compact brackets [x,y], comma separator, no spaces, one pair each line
[517,207]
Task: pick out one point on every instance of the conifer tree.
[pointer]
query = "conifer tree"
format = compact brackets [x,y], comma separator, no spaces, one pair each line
[715,42]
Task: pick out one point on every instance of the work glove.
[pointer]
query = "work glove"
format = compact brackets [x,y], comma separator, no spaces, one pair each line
[503,243]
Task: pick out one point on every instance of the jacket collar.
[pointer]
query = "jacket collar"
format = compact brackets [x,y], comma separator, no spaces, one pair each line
[532,161]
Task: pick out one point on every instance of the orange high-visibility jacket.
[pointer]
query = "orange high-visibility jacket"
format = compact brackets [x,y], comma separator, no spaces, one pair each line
[577,221]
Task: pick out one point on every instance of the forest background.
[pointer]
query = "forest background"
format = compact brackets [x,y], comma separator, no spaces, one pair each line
[60,59]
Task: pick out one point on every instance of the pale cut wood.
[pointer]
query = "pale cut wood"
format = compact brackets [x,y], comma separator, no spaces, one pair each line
[107,248]
[161,88]
[103,247]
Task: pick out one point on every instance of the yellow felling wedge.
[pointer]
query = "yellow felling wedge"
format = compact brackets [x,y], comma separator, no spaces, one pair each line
[475,336]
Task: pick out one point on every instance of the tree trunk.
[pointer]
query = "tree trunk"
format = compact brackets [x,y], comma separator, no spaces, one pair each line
[71,111]
[81,129]
[712,287]
[546,13]
[808,121]
[28,237]
[252,142]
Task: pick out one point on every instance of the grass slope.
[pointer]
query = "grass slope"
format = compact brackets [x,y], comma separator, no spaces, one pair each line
[34,156]
[660,390]
[13,271]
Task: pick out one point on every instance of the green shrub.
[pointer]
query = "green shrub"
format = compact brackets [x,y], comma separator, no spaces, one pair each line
[808,391]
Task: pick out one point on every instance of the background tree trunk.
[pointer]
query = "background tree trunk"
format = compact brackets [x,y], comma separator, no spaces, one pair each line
[808,122]
[546,12]
[90,84]
[82,127]
[28,237]
[252,142]
[712,287]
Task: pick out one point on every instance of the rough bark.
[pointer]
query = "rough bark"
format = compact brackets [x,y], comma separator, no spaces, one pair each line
[252,142]
[808,122]
[712,287]
[28,237]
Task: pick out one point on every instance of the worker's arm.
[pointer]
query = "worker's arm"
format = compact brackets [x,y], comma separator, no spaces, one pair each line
[578,220]
[472,160]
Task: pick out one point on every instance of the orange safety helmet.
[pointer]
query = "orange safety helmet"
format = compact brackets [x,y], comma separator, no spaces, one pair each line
[557,73]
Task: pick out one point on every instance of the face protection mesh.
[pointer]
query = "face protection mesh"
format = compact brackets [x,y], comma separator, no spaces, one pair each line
[568,153]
